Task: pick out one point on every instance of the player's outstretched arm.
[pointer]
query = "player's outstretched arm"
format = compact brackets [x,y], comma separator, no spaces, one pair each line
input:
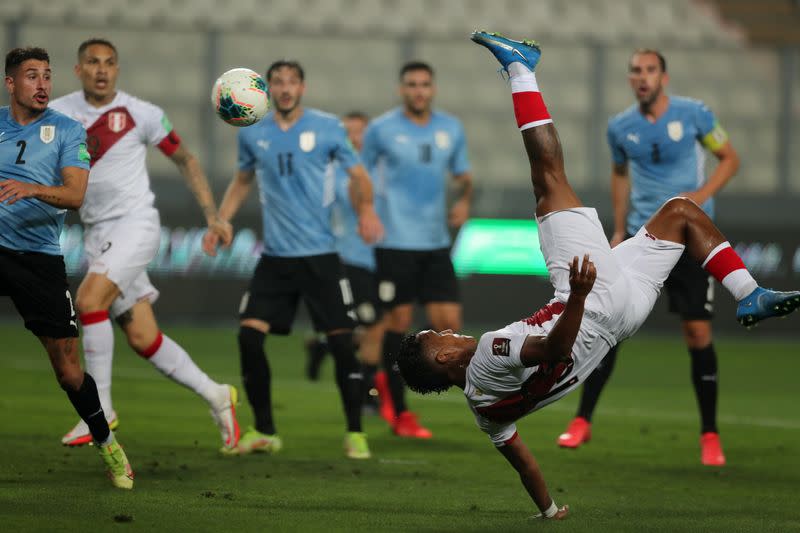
[558,343]
[236,193]
[191,169]
[526,466]
[69,195]
[369,225]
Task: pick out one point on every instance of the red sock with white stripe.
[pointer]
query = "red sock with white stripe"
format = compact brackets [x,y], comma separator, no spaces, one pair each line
[728,268]
[98,353]
[529,108]
[173,361]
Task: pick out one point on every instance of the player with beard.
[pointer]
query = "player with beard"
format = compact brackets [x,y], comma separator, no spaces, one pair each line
[289,153]
[123,234]
[661,139]
[411,152]
[44,168]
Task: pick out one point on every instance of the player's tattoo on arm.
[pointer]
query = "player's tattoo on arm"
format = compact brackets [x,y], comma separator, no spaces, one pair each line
[192,171]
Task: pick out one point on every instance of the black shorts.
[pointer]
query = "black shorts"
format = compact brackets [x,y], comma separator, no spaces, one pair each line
[364,285]
[406,276]
[279,282]
[37,284]
[690,290]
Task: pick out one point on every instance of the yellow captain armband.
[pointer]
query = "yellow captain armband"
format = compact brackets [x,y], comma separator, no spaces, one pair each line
[716,138]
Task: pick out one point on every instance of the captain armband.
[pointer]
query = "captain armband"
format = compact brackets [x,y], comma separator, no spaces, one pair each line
[715,139]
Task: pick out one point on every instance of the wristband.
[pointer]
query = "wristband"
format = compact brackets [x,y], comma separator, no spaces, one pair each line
[551,511]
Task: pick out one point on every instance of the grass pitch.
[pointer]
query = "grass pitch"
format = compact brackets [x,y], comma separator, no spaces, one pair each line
[641,472]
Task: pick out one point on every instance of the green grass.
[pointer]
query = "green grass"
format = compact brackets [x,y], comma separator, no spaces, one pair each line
[640,472]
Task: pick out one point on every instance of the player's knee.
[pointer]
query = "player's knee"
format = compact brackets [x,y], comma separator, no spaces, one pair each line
[399,321]
[697,336]
[680,206]
[140,340]
[88,303]
[70,378]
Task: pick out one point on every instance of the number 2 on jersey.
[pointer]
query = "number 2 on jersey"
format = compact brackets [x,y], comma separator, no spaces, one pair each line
[21,145]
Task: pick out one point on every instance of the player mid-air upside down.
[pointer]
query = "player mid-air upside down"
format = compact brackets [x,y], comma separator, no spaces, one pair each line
[511,372]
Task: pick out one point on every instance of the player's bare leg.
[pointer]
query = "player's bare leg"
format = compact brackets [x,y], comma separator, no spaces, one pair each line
[519,59]
[682,221]
[146,338]
[444,315]
[82,392]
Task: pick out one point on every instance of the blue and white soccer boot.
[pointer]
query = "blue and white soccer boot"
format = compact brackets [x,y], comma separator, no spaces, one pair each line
[766,303]
[509,51]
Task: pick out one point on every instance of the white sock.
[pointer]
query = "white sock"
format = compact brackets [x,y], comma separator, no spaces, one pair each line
[175,363]
[98,353]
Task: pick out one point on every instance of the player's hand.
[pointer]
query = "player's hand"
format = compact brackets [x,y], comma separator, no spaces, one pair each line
[13,190]
[581,279]
[617,238]
[224,229]
[459,213]
[210,242]
[369,225]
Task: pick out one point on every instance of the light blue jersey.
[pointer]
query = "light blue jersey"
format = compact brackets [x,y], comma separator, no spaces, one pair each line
[666,157]
[350,246]
[296,188]
[36,153]
[410,165]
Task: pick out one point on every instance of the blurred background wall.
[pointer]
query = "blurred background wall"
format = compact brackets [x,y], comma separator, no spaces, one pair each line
[741,57]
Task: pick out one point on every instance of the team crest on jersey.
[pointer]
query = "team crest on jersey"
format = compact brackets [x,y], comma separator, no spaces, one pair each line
[47,134]
[442,139]
[117,121]
[501,346]
[675,130]
[308,140]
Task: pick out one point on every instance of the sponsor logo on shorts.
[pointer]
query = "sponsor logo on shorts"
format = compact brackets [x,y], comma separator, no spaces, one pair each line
[501,346]
[649,236]
[105,247]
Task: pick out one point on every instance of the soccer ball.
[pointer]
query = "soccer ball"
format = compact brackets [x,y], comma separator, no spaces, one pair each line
[240,97]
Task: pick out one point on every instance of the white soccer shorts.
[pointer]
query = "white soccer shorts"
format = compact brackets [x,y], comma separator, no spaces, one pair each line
[121,249]
[629,277]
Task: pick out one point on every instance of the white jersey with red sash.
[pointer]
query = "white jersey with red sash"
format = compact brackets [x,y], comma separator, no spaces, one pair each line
[118,135]
[500,390]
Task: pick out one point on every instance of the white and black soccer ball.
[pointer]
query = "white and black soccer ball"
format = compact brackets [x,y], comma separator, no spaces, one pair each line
[240,97]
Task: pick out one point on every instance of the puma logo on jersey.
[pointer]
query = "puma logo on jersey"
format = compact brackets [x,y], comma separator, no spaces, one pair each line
[633,137]
[501,346]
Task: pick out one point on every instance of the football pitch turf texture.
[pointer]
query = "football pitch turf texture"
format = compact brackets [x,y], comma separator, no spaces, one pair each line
[641,471]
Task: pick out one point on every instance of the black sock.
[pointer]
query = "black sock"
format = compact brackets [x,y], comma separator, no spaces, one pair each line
[704,378]
[391,347]
[595,383]
[368,371]
[348,377]
[87,404]
[256,377]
